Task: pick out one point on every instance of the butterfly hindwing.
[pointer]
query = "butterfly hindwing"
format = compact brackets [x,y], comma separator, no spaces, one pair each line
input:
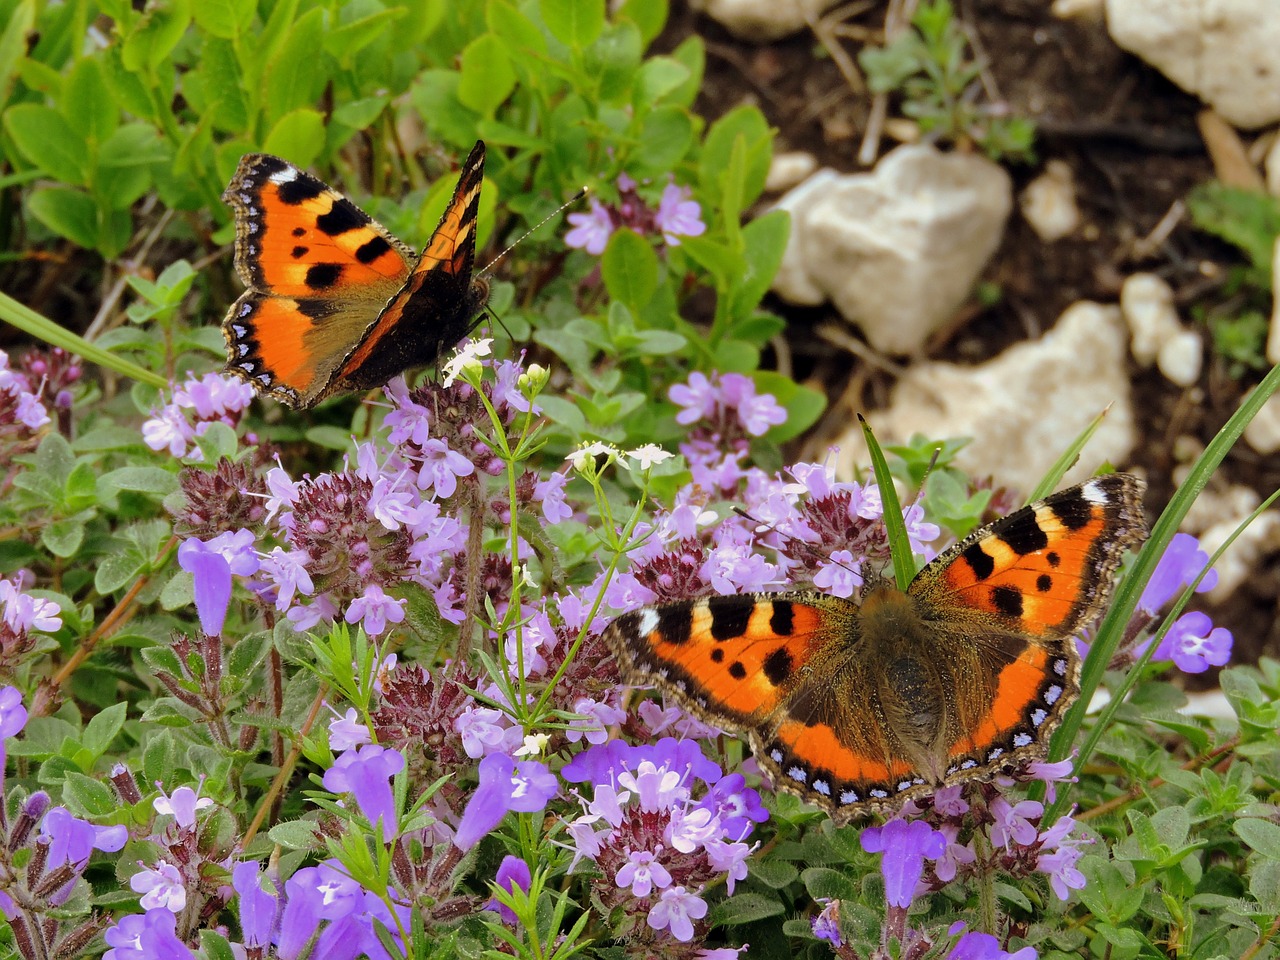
[334,301]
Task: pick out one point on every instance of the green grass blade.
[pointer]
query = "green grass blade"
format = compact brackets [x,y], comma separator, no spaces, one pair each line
[904,565]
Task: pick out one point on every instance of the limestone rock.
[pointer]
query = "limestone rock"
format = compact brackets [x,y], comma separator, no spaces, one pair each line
[1273,335]
[789,169]
[1263,431]
[1049,203]
[759,21]
[1157,335]
[1022,408]
[1224,51]
[897,249]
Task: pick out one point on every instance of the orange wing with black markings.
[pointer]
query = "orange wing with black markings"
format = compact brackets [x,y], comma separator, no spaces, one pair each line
[859,707]
[335,303]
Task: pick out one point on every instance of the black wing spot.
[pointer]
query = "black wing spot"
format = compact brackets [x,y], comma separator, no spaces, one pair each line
[323,275]
[371,250]
[782,622]
[675,623]
[299,231]
[729,616]
[980,562]
[1008,600]
[301,189]
[717,655]
[1053,558]
[778,666]
[1073,510]
[299,252]
[1024,535]
[737,670]
[1044,583]
[342,216]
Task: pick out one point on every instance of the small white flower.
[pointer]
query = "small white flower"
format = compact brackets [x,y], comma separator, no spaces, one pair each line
[534,745]
[583,459]
[466,357]
[648,455]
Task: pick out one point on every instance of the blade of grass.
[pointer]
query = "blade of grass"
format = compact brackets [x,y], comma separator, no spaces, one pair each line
[1068,459]
[904,566]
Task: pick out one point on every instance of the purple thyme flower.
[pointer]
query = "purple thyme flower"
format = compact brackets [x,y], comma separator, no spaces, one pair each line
[736,805]
[376,609]
[591,230]
[162,887]
[150,936]
[678,215]
[643,873]
[258,908]
[365,772]
[676,910]
[512,872]
[214,396]
[505,785]
[1182,562]
[1058,856]
[1194,644]
[13,718]
[182,805]
[826,925]
[72,840]
[906,846]
[211,566]
[983,946]
[346,731]
[23,613]
[313,895]
[1013,822]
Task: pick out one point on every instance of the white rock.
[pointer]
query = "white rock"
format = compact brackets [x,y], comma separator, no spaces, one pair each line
[793,282]
[1263,431]
[788,169]
[1271,165]
[1073,9]
[1181,357]
[1049,203]
[898,249]
[1242,559]
[1157,335]
[1224,51]
[759,21]
[1215,505]
[1273,335]
[1022,408]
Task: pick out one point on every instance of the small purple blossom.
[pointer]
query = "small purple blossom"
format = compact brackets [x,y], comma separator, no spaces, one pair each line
[257,908]
[678,215]
[441,468]
[212,566]
[149,936]
[182,805]
[346,731]
[505,785]
[161,886]
[13,718]
[905,845]
[591,230]
[374,609]
[366,772]
[676,910]
[1058,856]
[72,840]
[826,925]
[1194,644]
[512,872]
[983,946]
[1180,565]
[1013,822]
[23,613]
[643,873]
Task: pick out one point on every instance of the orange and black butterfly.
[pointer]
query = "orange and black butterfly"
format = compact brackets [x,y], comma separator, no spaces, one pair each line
[860,707]
[335,303]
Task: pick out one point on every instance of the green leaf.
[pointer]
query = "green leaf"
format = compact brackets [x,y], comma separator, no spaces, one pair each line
[179,592]
[296,74]
[773,873]
[215,946]
[1249,219]
[227,19]
[157,32]
[666,134]
[63,537]
[102,728]
[575,23]
[45,138]
[629,268]
[764,242]
[748,127]
[346,40]
[117,568]
[658,77]
[87,797]
[247,653]
[152,480]
[648,15]
[745,907]
[13,44]
[1261,835]
[87,104]
[295,835]
[298,136]
[124,164]
[828,883]
[67,212]
[487,74]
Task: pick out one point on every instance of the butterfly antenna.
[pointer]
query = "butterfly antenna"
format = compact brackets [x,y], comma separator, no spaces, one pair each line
[534,229]
[811,549]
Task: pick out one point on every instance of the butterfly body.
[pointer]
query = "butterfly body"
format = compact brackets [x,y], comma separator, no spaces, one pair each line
[858,707]
[334,303]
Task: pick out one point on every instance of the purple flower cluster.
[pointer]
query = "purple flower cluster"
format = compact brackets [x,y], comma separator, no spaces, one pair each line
[22,411]
[1193,643]
[214,398]
[659,823]
[21,615]
[676,215]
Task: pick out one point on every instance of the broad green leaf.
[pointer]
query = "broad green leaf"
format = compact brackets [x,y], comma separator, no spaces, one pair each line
[487,75]
[118,568]
[86,797]
[103,727]
[13,44]
[124,164]
[156,34]
[575,23]
[764,242]
[745,907]
[87,104]
[613,61]
[297,136]
[296,74]
[67,212]
[248,653]
[63,537]
[650,16]
[153,480]
[45,138]
[345,41]
[226,19]
[629,268]
[749,126]
[1261,835]
[666,136]
[658,77]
